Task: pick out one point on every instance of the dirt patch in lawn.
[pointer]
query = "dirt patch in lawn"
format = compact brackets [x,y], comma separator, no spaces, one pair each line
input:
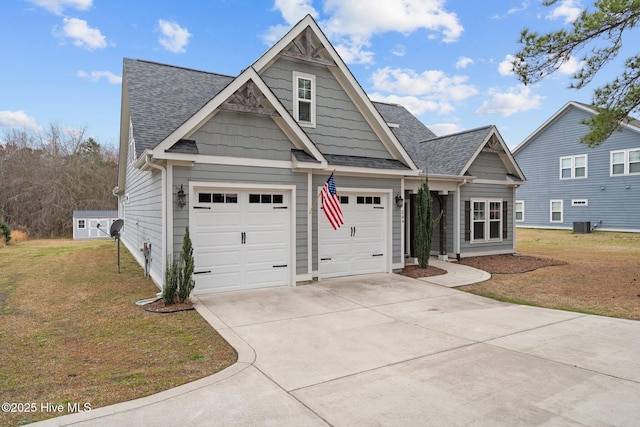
[70,331]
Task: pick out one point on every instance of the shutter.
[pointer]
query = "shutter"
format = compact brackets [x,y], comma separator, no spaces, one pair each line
[467,220]
[505,223]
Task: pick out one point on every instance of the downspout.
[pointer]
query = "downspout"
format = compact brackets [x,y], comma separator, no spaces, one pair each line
[147,162]
[456,220]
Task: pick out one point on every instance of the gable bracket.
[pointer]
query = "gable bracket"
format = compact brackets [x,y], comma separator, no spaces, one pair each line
[249,103]
[307,52]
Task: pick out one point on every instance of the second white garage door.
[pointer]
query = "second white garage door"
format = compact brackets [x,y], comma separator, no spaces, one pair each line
[240,239]
[359,246]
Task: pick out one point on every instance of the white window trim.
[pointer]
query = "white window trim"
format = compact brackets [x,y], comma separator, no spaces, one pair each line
[515,211]
[297,75]
[573,167]
[626,162]
[580,202]
[551,202]
[487,221]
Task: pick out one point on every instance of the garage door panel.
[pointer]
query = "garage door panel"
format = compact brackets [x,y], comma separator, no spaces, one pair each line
[352,247]
[240,242]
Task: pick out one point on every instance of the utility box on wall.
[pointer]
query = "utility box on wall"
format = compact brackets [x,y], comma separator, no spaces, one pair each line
[582,227]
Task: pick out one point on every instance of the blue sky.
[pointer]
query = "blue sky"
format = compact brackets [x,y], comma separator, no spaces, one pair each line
[447,61]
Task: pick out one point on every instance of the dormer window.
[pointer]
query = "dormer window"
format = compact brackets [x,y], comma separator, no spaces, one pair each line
[304,99]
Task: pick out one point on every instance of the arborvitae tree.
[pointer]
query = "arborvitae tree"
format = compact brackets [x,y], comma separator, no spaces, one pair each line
[187,265]
[426,223]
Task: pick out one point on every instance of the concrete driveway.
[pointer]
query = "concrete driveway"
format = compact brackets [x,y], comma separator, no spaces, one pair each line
[388,350]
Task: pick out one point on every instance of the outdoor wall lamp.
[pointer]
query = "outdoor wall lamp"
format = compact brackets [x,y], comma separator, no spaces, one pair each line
[182,197]
[399,201]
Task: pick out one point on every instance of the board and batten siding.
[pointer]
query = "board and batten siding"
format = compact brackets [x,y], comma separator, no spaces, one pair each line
[613,202]
[245,175]
[365,183]
[242,135]
[337,118]
[141,206]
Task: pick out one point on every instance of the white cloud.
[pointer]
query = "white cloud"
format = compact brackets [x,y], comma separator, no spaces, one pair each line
[292,11]
[414,104]
[463,62]
[350,25]
[57,6]
[18,119]
[516,99]
[444,128]
[82,35]
[434,84]
[174,37]
[95,76]
[399,50]
[505,68]
[571,66]
[568,9]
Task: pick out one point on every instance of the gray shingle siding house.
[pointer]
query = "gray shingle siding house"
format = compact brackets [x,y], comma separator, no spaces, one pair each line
[569,182]
[252,152]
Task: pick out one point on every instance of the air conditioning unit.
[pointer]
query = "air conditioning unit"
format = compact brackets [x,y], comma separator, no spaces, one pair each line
[582,227]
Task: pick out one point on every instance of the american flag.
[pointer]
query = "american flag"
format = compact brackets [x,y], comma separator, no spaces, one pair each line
[331,204]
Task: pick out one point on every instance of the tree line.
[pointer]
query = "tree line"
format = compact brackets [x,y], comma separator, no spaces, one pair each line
[45,176]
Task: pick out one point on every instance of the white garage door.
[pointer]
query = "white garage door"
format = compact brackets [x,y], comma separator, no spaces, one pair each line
[240,239]
[358,247]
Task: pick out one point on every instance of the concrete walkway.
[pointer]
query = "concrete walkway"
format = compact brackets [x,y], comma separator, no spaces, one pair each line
[388,350]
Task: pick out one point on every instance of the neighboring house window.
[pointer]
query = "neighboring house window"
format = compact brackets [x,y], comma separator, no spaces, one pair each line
[487,220]
[520,210]
[573,167]
[625,162]
[81,224]
[556,210]
[580,202]
[304,99]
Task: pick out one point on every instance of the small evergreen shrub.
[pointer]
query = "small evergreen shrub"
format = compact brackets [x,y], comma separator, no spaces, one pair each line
[187,264]
[5,231]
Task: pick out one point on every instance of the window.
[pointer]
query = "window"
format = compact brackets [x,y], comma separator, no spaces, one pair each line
[579,202]
[304,99]
[368,200]
[132,144]
[266,198]
[81,224]
[520,210]
[556,211]
[625,162]
[487,220]
[217,198]
[573,167]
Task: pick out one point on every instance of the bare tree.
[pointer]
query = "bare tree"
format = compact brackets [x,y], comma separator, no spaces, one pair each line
[47,175]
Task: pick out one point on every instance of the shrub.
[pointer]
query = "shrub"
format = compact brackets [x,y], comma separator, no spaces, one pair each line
[171,278]
[187,264]
[5,231]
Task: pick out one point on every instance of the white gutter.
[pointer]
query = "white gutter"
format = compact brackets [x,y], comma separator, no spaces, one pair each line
[148,163]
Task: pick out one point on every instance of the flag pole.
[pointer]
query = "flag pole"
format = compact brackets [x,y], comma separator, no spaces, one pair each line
[315,202]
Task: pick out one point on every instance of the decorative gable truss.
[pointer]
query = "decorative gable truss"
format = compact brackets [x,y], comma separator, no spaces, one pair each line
[246,94]
[306,47]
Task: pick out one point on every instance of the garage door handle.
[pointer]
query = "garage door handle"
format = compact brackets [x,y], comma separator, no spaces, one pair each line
[243,238]
[280,207]
[377,255]
[378,207]
[280,266]
[202,272]
[325,259]
[202,207]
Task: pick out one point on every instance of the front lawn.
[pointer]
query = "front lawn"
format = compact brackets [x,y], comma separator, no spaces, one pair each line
[599,273]
[70,332]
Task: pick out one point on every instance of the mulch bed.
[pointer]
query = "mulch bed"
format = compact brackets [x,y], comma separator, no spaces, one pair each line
[509,264]
[415,272]
[159,307]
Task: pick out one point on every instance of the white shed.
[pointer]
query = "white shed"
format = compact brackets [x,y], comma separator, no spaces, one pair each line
[93,224]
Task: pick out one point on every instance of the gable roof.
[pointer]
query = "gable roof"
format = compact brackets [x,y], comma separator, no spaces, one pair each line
[162,97]
[632,124]
[445,155]
[325,54]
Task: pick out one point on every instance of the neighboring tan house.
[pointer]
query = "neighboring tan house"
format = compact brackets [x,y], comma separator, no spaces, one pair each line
[241,160]
[571,184]
[93,224]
